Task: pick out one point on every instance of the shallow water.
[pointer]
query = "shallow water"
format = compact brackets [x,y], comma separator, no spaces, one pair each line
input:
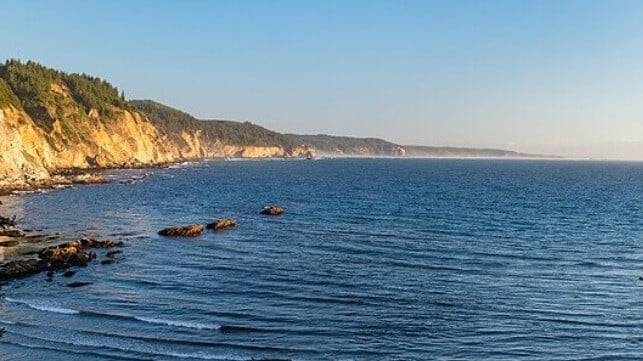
[375,259]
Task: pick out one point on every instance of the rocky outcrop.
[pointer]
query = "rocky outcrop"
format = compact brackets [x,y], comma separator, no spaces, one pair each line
[21,268]
[222,224]
[192,230]
[272,211]
[56,258]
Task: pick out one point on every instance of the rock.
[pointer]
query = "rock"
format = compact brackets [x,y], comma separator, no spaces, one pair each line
[69,273]
[107,261]
[9,243]
[111,254]
[21,268]
[2,331]
[60,257]
[88,178]
[272,211]
[222,223]
[192,230]
[14,232]
[78,284]
[72,253]
[7,222]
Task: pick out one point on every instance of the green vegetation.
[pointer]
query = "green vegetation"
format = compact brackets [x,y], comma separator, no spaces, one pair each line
[173,122]
[330,144]
[7,97]
[43,92]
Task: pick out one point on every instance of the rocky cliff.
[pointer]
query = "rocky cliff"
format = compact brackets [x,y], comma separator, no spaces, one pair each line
[51,121]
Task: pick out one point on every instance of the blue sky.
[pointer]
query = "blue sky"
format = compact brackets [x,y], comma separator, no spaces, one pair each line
[527,75]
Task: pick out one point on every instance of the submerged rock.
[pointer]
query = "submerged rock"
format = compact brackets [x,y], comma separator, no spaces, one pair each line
[272,211]
[111,254]
[78,284]
[69,273]
[192,230]
[222,223]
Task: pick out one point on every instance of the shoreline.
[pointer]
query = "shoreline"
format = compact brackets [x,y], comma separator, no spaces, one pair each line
[64,178]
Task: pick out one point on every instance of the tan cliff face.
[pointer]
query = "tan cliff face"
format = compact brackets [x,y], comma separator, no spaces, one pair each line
[22,149]
[29,154]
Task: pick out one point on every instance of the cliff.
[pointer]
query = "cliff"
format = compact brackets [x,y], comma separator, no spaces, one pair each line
[51,121]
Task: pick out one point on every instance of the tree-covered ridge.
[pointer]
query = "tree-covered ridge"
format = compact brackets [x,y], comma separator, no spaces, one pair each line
[174,121]
[331,144]
[32,83]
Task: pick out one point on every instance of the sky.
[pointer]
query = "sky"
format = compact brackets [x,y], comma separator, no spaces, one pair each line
[539,76]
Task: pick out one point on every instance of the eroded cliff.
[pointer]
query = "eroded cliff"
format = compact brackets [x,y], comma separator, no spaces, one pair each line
[51,122]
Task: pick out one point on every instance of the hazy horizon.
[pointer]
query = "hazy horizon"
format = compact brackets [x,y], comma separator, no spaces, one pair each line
[558,78]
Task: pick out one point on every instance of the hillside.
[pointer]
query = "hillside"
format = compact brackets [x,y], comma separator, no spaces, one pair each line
[174,121]
[350,146]
[51,121]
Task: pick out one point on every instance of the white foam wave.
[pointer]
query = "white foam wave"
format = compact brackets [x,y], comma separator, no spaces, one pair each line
[45,307]
[185,324]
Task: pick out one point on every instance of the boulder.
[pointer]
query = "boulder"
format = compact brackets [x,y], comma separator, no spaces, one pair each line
[222,223]
[272,211]
[21,268]
[88,178]
[192,230]
[6,222]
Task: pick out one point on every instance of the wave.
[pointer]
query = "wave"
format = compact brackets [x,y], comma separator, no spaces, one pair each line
[184,324]
[45,307]
[158,321]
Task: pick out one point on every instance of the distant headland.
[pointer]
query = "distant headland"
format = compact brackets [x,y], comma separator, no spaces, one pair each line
[52,122]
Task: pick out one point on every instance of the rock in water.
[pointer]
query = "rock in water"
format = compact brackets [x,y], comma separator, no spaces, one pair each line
[222,223]
[192,230]
[78,284]
[21,268]
[272,211]
[111,254]
[89,178]
[69,273]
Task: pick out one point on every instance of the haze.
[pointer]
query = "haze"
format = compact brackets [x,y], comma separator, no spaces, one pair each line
[560,77]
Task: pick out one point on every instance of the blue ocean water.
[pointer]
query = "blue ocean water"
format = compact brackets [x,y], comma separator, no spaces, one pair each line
[374,259]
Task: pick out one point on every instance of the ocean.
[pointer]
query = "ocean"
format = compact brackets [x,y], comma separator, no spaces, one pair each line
[374,259]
